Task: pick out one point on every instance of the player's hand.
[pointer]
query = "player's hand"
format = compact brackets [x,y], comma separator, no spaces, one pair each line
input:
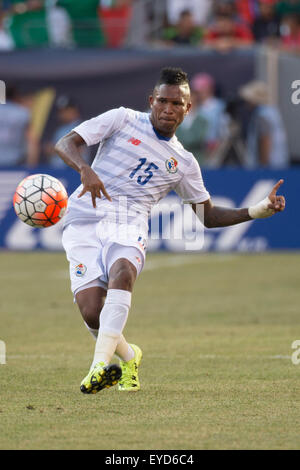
[92,183]
[277,202]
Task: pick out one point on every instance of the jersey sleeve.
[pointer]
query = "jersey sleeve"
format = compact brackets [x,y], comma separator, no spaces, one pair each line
[103,126]
[191,188]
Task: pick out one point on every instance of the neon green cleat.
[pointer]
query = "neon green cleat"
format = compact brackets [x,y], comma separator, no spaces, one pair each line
[101,376]
[130,376]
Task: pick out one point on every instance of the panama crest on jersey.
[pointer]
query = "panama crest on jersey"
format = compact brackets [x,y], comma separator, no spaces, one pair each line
[80,270]
[172,165]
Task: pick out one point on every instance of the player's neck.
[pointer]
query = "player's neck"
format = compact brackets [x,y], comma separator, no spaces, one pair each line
[160,136]
[158,133]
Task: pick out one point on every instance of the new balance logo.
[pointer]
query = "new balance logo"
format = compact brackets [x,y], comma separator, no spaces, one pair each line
[134,141]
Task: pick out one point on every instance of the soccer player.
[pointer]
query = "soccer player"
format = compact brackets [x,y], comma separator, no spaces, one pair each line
[139,160]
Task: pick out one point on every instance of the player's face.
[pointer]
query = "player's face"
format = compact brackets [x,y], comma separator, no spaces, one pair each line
[169,105]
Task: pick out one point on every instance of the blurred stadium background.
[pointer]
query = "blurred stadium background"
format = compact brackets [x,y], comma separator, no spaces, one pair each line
[66,61]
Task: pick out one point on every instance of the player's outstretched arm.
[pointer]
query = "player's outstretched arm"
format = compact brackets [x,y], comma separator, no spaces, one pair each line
[68,150]
[215,216]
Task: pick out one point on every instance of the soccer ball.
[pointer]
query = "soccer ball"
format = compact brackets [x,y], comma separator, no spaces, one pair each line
[40,200]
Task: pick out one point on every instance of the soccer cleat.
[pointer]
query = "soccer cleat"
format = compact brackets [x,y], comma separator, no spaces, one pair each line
[130,376]
[101,376]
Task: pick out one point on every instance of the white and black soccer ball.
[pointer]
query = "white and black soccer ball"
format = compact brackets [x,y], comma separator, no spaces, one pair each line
[40,200]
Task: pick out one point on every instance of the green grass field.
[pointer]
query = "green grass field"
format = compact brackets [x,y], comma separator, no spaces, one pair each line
[216,333]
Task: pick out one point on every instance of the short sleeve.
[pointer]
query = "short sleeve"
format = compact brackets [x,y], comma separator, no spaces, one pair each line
[191,187]
[103,126]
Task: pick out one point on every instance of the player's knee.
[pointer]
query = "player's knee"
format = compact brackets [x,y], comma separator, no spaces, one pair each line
[122,275]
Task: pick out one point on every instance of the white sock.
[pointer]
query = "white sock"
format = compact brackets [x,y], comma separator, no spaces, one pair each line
[123,350]
[112,321]
[105,348]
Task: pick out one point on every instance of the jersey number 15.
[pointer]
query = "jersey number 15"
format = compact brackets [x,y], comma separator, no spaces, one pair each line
[144,179]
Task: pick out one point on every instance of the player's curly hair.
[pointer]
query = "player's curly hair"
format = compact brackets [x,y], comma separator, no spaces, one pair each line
[172,76]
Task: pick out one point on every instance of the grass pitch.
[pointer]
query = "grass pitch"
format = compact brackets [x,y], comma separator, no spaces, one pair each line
[216,333]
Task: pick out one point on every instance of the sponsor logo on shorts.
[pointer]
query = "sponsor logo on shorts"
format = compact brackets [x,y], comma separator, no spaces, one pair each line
[171,165]
[80,270]
[138,259]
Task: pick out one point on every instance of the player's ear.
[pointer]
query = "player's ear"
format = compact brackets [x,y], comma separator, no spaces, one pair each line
[151,100]
[188,107]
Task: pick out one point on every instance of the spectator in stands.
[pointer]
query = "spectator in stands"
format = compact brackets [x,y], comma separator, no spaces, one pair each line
[139,26]
[68,116]
[247,10]
[116,23]
[86,26]
[210,109]
[225,33]
[231,150]
[17,143]
[290,32]
[287,7]
[192,131]
[200,9]
[6,41]
[266,137]
[227,8]
[185,33]
[59,25]
[266,24]
[28,23]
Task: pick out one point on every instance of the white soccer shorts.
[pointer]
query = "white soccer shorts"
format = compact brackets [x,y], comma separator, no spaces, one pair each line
[93,248]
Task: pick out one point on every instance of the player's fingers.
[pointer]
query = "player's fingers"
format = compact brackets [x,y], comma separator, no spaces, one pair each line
[281,203]
[278,204]
[94,200]
[106,193]
[82,192]
[275,188]
[97,192]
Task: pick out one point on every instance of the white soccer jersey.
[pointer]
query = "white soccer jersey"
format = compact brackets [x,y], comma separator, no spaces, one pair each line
[137,169]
